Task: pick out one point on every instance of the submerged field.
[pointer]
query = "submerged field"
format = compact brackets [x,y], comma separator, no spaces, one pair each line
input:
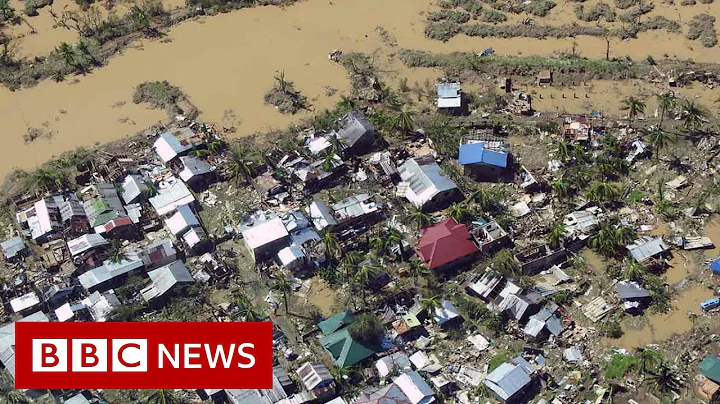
[226,62]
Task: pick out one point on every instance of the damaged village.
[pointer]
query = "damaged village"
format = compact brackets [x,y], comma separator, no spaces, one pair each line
[446,255]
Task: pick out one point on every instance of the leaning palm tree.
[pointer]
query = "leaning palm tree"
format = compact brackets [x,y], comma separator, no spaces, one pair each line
[634,107]
[283,286]
[418,217]
[349,261]
[666,103]
[162,397]
[659,139]
[647,360]
[86,53]
[692,115]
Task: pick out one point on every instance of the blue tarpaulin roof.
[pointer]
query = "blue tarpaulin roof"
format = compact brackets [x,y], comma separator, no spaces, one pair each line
[474,153]
[715,266]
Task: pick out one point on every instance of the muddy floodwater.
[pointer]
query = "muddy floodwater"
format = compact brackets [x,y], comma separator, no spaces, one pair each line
[225,63]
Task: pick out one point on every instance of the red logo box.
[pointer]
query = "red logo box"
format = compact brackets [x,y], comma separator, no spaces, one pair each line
[143,355]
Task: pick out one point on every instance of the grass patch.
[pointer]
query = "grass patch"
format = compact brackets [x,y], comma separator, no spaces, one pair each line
[618,366]
[595,13]
[593,68]
[502,356]
[625,4]
[490,15]
[284,96]
[702,27]
[458,17]
[32,6]
[159,94]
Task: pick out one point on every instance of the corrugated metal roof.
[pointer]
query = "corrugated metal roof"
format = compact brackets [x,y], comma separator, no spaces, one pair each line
[313,375]
[12,247]
[476,153]
[631,290]
[320,215]
[507,379]
[425,179]
[353,127]
[193,166]
[167,146]
[647,247]
[415,388]
[108,271]
[264,233]
[133,187]
[85,243]
[172,193]
[183,219]
[165,278]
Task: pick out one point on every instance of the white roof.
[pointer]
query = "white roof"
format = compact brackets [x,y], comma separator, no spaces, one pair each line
[167,146]
[288,255]
[133,186]
[415,388]
[101,304]
[40,224]
[313,374]
[320,215]
[194,236]
[422,180]
[181,220]
[445,312]
[387,364]
[318,144]
[265,233]
[480,342]
[85,242]
[24,302]
[64,312]
[507,379]
[193,166]
[172,193]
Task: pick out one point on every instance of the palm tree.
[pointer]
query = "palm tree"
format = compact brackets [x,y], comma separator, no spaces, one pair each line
[634,271]
[333,248]
[281,83]
[692,115]
[561,187]
[115,252]
[162,397]
[44,178]
[430,303]
[367,272]
[602,191]
[625,234]
[459,212]
[633,106]
[663,378]
[563,150]
[610,238]
[283,286]
[647,359]
[403,123]
[556,235]
[240,159]
[65,50]
[346,103]
[418,217]
[481,196]
[666,102]
[393,237]
[350,260]
[7,13]
[10,396]
[140,19]
[416,270]
[150,190]
[659,139]
[85,52]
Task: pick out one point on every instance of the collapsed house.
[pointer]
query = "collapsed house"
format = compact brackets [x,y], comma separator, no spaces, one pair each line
[648,248]
[449,97]
[540,258]
[490,237]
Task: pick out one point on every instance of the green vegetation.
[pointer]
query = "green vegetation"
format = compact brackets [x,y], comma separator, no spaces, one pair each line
[520,65]
[618,366]
[631,16]
[458,17]
[159,94]
[284,96]
[702,27]
[500,357]
[368,329]
[597,12]
[32,6]
[490,15]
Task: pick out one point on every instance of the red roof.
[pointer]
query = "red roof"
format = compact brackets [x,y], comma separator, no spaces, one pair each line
[444,242]
[123,221]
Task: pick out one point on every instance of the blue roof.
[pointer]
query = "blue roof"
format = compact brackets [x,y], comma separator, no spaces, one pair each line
[477,153]
[715,266]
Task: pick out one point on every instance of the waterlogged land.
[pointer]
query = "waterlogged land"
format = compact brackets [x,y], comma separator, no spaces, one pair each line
[225,64]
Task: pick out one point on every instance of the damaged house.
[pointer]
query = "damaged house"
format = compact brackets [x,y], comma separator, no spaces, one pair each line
[544,323]
[540,258]
[165,280]
[170,145]
[196,173]
[104,206]
[449,98]
[355,133]
[490,237]
[264,240]
[484,160]
[425,185]
[634,297]
[647,248]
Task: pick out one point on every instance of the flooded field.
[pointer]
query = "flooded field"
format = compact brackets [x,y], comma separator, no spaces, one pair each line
[225,63]
[654,328]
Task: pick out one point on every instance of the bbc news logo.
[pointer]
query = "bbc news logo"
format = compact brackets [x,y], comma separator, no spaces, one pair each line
[143,355]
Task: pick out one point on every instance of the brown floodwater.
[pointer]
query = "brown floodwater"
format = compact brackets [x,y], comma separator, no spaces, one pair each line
[655,328]
[225,63]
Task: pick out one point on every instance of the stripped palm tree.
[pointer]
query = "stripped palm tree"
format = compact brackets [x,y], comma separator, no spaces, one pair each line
[666,103]
[659,139]
[692,115]
[283,286]
[634,107]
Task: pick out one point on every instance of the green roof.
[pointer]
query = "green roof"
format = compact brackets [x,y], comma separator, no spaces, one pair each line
[710,368]
[344,350]
[336,322]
